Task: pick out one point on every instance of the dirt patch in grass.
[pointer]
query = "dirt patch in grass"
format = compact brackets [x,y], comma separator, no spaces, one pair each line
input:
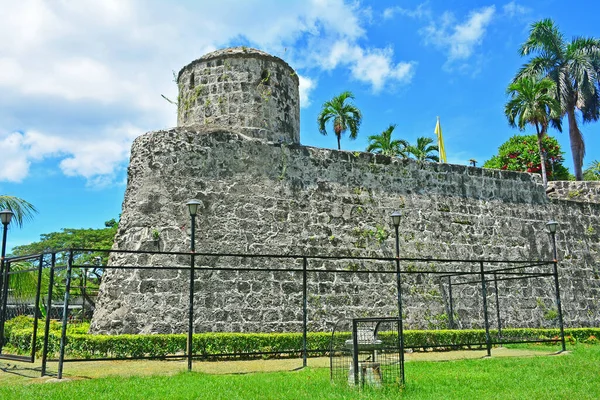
[12,372]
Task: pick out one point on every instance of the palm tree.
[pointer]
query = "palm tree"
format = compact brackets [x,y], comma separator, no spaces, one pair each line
[423,149]
[383,144]
[532,102]
[575,69]
[344,114]
[23,210]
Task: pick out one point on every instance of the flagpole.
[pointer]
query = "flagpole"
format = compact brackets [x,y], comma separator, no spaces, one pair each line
[437,125]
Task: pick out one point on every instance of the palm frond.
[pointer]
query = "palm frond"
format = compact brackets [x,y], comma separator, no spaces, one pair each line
[543,36]
[22,209]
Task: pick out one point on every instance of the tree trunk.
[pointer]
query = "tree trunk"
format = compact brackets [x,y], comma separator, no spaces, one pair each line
[339,138]
[577,145]
[540,136]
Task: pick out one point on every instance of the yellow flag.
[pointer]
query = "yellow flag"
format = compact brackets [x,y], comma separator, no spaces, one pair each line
[438,132]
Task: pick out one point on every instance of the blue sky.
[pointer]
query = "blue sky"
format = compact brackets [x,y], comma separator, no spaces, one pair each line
[80,80]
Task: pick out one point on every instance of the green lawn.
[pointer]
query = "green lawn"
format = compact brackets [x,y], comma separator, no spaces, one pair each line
[570,376]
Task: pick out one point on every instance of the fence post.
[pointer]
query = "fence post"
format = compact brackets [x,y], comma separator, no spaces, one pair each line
[451,316]
[63,334]
[497,306]
[399,290]
[304,312]
[190,336]
[4,301]
[558,306]
[488,340]
[48,312]
[36,310]
[355,351]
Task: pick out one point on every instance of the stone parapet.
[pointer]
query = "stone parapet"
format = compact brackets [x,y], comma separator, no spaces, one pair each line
[586,191]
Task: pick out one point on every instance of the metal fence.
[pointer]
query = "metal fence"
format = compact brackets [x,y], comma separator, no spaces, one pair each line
[459,287]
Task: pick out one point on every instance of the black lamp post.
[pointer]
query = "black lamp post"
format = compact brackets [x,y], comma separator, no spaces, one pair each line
[5,218]
[551,228]
[396,216]
[193,209]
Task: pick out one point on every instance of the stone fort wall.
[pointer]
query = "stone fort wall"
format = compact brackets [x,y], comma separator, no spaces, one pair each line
[262,194]
[270,198]
[582,191]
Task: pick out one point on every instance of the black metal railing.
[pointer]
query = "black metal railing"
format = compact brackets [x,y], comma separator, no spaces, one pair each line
[449,274]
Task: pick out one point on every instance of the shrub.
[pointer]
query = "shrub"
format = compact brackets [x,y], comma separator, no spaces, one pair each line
[235,345]
[520,153]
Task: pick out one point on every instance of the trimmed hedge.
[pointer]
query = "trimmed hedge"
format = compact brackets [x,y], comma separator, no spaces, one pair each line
[236,345]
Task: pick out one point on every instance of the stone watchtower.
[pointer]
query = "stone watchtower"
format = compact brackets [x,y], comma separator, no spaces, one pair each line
[244,89]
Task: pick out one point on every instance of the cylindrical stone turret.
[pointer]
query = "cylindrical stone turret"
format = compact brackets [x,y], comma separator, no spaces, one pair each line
[245,89]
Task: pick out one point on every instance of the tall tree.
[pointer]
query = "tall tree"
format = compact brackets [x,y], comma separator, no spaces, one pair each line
[424,150]
[383,144]
[575,69]
[532,102]
[344,115]
[23,210]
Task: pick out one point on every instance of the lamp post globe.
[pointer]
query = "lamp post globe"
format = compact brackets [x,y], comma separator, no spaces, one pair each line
[6,216]
[193,206]
[396,216]
[551,226]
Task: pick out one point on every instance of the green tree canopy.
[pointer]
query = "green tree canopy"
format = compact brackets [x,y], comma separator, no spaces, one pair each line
[383,144]
[344,115]
[520,153]
[423,150]
[69,238]
[575,69]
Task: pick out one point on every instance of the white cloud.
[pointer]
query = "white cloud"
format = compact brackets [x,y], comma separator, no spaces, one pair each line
[372,66]
[459,40]
[513,9]
[376,67]
[89,66]
[14,165]
[421,11]
[89,157]
[306,86]
[95,158]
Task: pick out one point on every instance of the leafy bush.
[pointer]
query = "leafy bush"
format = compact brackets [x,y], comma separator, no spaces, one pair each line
[209,345]
[520,153]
